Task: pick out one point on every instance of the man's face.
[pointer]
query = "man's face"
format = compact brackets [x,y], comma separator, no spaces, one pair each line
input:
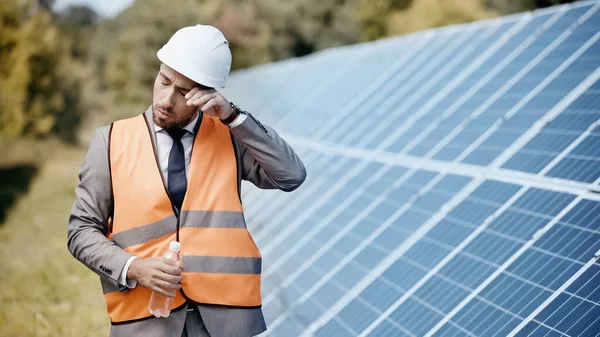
[169,108]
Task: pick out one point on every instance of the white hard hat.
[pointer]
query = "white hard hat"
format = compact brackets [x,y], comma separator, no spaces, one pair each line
[200,53]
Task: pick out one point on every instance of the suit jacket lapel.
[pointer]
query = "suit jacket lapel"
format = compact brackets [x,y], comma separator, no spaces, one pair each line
[148,116]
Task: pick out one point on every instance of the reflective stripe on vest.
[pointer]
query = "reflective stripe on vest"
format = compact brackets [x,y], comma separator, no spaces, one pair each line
[222,263]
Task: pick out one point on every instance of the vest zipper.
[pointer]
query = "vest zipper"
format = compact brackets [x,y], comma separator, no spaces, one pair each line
[175,209]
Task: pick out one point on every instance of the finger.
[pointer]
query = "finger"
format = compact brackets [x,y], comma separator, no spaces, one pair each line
[203,91]
[209,105]
[207,95]
[169,278]
[163,289]
[169,261]
[199,93]
[170,269]
[167,285]
[192,92]
[200,100]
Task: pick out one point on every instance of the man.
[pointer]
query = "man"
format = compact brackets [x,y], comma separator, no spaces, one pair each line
[173,173]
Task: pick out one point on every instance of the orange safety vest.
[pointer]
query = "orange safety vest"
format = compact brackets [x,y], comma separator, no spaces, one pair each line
[222,262]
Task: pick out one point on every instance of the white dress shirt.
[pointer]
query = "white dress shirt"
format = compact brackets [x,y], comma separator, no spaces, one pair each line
[164,142]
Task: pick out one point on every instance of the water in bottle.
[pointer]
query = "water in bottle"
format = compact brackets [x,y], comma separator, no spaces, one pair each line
[160,305]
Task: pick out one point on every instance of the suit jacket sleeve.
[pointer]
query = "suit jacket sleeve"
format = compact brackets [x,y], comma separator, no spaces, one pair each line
[267,160]
[93,206]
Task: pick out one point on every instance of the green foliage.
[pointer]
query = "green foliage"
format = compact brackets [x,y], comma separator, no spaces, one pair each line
[297,28]
[78,22]
[381,18]
[35,87]
[373,16]
[425,14]
[515,6]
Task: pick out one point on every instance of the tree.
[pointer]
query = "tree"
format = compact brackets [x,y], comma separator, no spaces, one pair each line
[298,28]
[78,22]
[381,18]
[373,16]
[32,87]
[516,6]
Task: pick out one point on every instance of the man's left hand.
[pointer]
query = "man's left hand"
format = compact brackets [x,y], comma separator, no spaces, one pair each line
[210,101]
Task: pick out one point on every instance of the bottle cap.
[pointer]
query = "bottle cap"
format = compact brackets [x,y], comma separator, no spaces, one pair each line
[175,246]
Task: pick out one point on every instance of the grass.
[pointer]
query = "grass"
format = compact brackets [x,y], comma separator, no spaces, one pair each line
[44,291]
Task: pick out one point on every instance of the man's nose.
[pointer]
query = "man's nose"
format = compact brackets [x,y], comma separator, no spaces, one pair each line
[168,98]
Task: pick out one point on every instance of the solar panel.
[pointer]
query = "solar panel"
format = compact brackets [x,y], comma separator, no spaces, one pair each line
[453,182]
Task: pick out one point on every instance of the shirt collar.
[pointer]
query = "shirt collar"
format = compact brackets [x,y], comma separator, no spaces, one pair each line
[189,127]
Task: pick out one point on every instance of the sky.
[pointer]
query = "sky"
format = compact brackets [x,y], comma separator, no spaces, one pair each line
[104,8]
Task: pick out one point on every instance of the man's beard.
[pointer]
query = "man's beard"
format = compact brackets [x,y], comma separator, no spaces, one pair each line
[168,124]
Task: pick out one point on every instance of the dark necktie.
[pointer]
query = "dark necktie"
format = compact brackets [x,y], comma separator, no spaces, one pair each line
[177,181]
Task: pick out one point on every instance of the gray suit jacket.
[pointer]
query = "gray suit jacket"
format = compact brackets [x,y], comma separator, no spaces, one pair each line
[266,160]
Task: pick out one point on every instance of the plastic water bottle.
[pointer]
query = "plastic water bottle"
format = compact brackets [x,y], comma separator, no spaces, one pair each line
[160,305]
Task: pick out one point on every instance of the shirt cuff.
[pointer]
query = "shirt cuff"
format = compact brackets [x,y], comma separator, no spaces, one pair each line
[238,120]
[123,277]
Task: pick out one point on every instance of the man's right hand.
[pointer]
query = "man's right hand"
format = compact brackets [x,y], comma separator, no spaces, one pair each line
[164,277]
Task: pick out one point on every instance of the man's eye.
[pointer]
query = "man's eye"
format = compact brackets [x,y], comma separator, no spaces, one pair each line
[163,83]
[182,93]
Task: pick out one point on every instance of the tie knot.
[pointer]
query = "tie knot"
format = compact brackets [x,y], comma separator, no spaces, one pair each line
[176,133]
